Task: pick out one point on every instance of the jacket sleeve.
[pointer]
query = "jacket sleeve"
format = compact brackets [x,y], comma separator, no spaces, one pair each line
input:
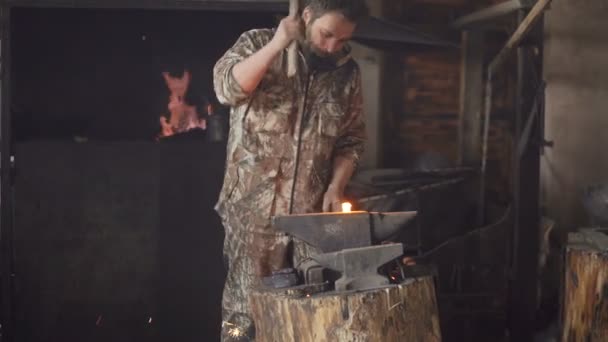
[351,143]
[227,89]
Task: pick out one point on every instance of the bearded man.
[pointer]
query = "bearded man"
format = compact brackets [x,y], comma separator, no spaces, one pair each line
[293,145]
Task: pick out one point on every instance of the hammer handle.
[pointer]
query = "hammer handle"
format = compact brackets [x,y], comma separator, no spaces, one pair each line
[292,52]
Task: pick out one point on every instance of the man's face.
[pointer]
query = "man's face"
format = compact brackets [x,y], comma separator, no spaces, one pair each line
[327,34]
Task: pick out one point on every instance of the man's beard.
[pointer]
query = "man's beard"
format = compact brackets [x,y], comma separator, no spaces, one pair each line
[316,59]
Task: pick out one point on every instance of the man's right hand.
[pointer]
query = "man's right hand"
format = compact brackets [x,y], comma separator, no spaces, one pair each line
[249,72]
[290,28]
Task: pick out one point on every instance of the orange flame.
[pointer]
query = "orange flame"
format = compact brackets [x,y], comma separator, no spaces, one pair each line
[184,117]
[346,207]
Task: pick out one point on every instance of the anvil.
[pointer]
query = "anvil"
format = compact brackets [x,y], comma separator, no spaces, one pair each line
[347,241]
[331,232]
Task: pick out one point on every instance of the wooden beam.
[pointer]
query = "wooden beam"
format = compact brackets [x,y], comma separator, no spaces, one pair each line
[524,27]
[292,50]
[491,13]
[471,98]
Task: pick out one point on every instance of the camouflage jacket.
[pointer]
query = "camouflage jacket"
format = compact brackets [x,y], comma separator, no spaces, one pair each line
[265,131]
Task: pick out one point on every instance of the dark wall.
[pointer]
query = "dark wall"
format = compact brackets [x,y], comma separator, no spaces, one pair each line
[118,241]
[190,241]
[97,73]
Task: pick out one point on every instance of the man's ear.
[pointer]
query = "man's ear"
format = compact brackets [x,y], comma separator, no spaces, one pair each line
[306,14]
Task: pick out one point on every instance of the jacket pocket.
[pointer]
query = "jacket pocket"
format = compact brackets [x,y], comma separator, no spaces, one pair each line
[331,117]
[271,110]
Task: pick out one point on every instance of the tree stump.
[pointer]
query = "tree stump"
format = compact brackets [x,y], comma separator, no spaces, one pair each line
[585,295]
[403,312]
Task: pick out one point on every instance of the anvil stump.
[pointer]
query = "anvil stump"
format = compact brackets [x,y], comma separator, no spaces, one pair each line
[394,313]
[585,293]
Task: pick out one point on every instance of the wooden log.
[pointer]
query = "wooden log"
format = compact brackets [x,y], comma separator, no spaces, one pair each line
[403,312]
[585,295]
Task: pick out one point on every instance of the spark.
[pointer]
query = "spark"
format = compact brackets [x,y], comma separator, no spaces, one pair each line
[235,332]
[346,207]
[150,320]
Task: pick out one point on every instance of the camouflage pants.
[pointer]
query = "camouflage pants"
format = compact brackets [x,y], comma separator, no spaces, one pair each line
[250,256]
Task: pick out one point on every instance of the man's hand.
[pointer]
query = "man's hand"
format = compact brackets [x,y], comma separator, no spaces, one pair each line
[332,200]
[290,28]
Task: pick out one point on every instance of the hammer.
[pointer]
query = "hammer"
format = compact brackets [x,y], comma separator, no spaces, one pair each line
[292,52]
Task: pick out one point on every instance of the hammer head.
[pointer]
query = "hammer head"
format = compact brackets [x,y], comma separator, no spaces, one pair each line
[331,232]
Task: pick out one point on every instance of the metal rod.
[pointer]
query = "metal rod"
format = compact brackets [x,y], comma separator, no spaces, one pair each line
[516,167]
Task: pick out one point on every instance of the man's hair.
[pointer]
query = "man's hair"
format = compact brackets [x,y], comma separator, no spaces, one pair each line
[353,10]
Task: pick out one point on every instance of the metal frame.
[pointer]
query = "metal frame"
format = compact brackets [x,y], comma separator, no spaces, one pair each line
[522,30]
[526,157]
[524,269]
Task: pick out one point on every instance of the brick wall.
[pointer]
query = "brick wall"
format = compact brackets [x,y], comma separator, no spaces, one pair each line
[426,115]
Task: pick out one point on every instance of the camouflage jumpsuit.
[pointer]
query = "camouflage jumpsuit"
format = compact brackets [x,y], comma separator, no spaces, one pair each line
[320,110]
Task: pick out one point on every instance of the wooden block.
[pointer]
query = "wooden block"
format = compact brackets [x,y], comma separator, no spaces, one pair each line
[585,295]
[404,312]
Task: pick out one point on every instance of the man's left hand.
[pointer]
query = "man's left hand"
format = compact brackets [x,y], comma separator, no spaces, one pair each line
[332,200]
